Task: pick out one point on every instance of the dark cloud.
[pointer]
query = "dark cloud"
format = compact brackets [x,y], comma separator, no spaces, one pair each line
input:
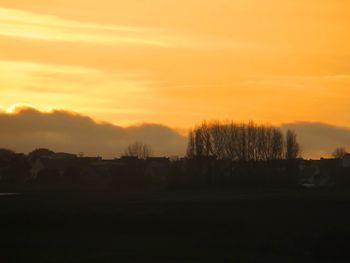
[64,131]
[319,139]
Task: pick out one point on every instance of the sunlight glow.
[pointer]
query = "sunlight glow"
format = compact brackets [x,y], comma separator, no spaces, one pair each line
[15,108]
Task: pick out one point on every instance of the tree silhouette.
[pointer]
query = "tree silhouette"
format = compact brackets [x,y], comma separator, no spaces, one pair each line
[239,142]
[292,146]
[40,152]
[139,150]
[339,153]
[191,145]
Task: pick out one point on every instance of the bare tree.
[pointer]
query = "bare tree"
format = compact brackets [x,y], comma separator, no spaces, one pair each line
[218,139]
[292,146]
[251,138]
[339,153]
[277,144]
[199,142]
[230,141]
[191,147]
[207,142]
[241,142]
[139,150]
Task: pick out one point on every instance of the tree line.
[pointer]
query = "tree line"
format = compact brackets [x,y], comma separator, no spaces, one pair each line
[242,142]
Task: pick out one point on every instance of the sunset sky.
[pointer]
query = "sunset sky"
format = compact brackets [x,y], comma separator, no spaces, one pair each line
[177,63]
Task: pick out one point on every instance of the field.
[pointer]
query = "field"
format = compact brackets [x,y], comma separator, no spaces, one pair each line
[188,226]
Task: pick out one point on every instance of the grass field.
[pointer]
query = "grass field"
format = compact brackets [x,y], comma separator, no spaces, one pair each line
[197,226]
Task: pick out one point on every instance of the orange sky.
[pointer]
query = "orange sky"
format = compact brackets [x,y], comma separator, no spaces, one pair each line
[178,62]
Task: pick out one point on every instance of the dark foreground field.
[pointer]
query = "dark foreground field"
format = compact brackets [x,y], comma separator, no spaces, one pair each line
[206,226]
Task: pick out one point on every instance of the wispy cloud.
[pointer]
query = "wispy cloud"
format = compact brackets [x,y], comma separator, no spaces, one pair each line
[23,74]
[46,27]
[73,87]
[25,24]
[26,17]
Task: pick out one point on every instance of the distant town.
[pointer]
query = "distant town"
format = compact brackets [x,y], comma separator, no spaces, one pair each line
[45,169]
